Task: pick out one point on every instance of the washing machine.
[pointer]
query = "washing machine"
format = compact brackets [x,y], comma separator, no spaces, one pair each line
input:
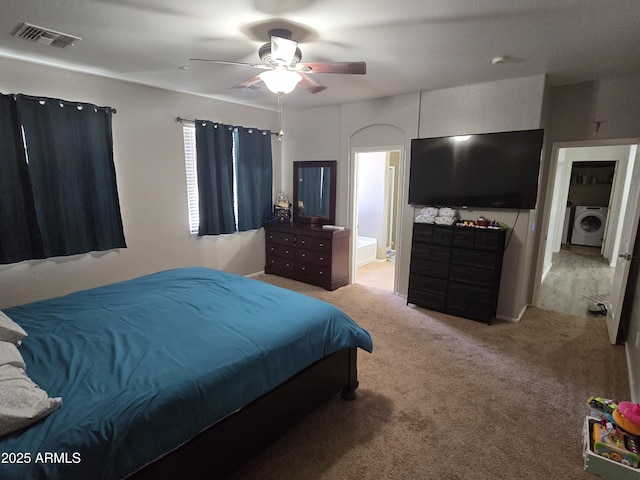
[588,225]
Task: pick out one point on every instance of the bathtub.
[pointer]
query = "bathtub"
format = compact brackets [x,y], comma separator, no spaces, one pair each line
[365,250]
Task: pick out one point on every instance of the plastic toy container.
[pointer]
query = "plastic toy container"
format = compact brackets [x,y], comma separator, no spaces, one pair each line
[598,465]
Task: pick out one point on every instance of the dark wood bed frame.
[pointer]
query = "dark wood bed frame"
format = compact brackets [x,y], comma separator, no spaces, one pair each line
[230,443]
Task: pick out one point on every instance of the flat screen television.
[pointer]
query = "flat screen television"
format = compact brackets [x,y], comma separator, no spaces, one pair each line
[488,170]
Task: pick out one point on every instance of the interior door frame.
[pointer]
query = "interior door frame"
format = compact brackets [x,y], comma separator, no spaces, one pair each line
[353,205]
[625,260]
[550,183]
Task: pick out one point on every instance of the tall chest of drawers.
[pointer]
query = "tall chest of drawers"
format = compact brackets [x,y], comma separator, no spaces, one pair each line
[308,254]
[456,270]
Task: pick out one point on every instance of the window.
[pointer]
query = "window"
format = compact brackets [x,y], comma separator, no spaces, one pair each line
[235,168]
[189,136]
[58,185]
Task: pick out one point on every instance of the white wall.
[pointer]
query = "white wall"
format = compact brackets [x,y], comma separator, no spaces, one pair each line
[372,169]
[149,162]
[331,133]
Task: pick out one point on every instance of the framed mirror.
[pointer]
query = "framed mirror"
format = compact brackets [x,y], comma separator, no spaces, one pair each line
[314,192]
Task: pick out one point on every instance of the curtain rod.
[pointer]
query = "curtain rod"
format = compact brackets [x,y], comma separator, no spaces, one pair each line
[66,102]
[182,120]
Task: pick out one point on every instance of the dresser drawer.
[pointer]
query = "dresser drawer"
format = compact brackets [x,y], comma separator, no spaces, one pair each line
[278,250]
[462,292]
[468,309]
[434,253]
[313,273]
[280,263]
[427,284]
[473,258]
[470,301]
[279,237]
[488,240]
[422,233]
[478,276]
[427,300]
[442,236]
[463,237]
[316,257]
[313,243]
[431,269]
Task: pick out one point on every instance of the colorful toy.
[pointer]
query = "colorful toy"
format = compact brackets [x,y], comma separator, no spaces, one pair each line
[624,423]
[603,405]
[616,445]
[631,411]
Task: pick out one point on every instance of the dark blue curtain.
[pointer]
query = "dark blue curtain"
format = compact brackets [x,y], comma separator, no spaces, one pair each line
[19,233]
[70,162]
[214,148]
[254,177]
[62,198]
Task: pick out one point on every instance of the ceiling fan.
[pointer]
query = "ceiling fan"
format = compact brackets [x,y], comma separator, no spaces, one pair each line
[283,69]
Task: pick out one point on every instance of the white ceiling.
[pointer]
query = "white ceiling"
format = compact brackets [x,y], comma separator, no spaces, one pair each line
[408,45]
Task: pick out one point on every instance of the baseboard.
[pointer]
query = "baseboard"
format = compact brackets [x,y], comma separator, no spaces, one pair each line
[546,272]
[251,275]
[513,319]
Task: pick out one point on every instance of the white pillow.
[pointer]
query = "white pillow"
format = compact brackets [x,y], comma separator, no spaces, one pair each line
[22,402]
[10,331]
[9,355]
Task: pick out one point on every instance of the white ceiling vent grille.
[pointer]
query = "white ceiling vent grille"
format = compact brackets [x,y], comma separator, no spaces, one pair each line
[37,34]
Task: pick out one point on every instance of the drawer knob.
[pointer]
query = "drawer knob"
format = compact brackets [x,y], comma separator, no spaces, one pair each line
[321,259]
[322,244]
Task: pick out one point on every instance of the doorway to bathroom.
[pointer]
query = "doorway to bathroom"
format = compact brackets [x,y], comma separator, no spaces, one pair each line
[375,213]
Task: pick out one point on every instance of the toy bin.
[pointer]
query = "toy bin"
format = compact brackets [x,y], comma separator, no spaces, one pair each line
[598,465]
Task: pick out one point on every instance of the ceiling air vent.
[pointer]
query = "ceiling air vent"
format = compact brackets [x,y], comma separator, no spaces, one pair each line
[37,34]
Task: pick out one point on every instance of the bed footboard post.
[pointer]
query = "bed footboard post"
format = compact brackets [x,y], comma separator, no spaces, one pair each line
[349,392]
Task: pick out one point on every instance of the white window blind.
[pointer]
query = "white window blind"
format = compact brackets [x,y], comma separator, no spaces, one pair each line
[189,136]
[190,153]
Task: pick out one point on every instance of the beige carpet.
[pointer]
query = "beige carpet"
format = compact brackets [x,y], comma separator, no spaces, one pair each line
[447,398]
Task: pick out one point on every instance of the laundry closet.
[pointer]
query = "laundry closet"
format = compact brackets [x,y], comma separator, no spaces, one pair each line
[587,203]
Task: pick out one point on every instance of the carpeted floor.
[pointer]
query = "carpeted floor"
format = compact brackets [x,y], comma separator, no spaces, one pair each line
[447,398]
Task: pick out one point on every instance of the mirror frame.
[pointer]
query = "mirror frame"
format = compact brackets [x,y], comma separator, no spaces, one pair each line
[316,220]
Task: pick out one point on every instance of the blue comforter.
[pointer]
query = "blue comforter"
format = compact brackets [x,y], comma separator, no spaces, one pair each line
[146,364]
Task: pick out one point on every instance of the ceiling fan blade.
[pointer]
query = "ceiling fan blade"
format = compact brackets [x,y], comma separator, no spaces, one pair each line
[249,83]
[310,85]
[356,68]
[261,66]
[283,50]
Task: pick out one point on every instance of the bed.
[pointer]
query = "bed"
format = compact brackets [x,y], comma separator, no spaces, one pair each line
[185,373]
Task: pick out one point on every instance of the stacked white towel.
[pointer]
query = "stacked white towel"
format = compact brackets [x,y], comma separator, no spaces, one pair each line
[446,216]
[447,212]
[427,215]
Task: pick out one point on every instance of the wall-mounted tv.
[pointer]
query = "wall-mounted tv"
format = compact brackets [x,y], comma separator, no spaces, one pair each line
[488,170]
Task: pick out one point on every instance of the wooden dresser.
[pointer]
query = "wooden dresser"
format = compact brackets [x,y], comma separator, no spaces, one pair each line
[308,254]
[456,270]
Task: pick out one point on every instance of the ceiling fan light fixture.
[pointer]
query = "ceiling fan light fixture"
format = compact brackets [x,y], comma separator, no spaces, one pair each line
[280,80]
